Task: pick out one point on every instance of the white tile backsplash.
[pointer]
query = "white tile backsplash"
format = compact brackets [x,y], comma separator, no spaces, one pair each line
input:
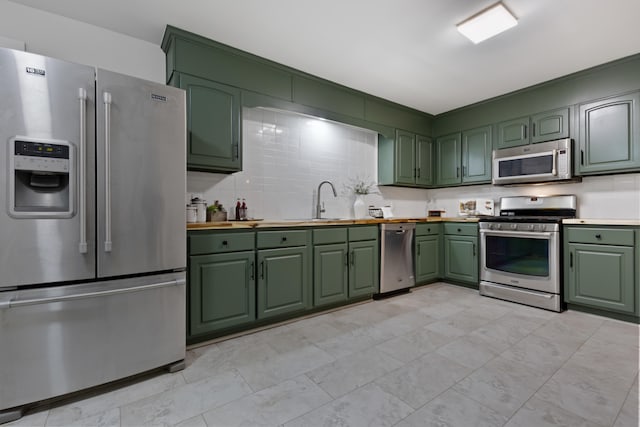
[286,156]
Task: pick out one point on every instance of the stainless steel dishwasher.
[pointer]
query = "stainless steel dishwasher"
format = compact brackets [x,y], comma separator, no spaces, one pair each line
[396,268]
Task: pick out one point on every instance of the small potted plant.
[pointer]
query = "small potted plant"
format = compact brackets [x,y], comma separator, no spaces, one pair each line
[216,212]
[361,187]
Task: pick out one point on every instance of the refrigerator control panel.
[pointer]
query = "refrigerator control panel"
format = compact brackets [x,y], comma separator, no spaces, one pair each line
[41,157]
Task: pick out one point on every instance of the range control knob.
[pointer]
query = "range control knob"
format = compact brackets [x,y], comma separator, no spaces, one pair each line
[498,226]
[514,226]
[531,227]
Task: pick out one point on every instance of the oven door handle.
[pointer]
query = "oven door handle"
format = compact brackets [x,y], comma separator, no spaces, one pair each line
[525,234]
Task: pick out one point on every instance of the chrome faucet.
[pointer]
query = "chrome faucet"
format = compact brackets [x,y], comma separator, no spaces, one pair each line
[320,206]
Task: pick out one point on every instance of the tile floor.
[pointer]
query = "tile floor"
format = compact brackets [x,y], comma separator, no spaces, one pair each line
[439,356]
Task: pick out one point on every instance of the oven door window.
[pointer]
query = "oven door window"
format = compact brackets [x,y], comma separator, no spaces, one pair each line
[518,255]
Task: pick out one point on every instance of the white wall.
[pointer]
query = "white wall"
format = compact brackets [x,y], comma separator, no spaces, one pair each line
[287,155]
[611,196]
[75,41]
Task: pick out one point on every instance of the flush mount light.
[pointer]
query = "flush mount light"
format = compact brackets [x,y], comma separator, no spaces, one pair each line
[487,23]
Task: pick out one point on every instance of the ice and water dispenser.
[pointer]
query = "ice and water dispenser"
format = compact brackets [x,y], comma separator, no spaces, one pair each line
[41,178]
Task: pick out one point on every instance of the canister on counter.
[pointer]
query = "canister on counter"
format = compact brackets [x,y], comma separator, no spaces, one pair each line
[192,214]
[201,209]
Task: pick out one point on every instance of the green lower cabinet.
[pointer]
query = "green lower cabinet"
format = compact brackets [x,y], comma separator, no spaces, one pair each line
[427,250]
[364,271]
[330,276]
[221,291]
[461,258]
[283,281]
[601,276]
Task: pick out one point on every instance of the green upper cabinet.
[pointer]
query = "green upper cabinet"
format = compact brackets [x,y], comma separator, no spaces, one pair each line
[512,133]
[476,155]
[448,159]
[327,96]
[405,160]
[424,161]
[464,158]
[540,127]
[213,125]
[550,125]
[609,135]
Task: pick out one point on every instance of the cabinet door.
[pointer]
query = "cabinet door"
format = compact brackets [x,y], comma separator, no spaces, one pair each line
[476,155]
[405,170]
[213,125]
[601,276]
[513,133]
[427,258]
[221,291]
[424,160]
[283,282]
[330,273]
[448,161]
[461,258]
[364,275]
[550,125]
[610,135]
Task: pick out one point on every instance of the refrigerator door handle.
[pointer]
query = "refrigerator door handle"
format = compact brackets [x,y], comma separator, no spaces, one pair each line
[82,97]
[85,295]
[107,171]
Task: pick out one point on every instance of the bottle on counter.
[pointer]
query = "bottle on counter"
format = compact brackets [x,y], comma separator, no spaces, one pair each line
[243,210]
[238,207]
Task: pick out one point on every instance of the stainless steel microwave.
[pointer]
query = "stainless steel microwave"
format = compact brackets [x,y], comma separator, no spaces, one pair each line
[544,162]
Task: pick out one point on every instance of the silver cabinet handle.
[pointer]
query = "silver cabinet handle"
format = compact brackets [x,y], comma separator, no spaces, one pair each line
[82,147]
[73,297]
[107,171]
[554,167]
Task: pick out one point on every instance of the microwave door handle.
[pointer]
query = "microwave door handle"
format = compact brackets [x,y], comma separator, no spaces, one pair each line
[82,147]
[554,167]
[107,171]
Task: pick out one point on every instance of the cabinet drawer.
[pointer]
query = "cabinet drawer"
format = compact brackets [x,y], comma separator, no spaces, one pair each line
[461,229]
[369,232]
[214,243]
[426,229]
[604,236]
[326,235]
[281,239]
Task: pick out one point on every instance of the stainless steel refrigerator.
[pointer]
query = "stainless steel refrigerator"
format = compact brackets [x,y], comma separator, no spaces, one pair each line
[92,227]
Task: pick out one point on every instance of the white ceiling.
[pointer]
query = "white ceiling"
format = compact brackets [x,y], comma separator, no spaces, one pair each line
[407,51]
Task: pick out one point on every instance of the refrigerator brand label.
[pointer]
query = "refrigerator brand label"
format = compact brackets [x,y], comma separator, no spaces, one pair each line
[36,71]
[158,97]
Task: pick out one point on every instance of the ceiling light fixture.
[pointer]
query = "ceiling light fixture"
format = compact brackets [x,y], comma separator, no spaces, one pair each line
[487,23]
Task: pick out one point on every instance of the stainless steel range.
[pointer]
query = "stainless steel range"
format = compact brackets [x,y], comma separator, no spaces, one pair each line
[521,250]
